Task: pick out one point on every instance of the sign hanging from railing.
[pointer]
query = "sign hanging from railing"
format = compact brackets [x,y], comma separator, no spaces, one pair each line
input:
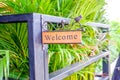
[61,37]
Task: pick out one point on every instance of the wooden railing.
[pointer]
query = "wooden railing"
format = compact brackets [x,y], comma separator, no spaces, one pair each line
[38,56]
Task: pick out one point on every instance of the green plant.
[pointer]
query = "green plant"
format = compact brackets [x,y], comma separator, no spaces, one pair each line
[114,40]
[4,64]
[14,41]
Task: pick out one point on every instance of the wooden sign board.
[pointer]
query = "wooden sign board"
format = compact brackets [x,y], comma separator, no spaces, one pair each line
[60,37]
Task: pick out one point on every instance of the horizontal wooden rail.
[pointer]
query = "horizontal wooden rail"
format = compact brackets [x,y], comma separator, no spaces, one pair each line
[99,25]
[28,17]
[62,73]
[55,19]
[45,18]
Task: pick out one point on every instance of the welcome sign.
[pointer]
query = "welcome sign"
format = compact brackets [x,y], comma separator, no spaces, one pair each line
[54,37]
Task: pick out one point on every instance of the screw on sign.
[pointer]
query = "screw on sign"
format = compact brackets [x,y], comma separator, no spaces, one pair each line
[116,74]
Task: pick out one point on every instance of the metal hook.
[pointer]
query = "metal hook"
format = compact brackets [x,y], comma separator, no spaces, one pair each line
[62,24]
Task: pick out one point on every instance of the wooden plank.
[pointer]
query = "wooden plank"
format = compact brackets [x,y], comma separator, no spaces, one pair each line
[62,37]
[35,46]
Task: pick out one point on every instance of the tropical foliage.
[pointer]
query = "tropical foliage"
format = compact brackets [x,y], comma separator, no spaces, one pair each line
[4,64]
[114,40]
[13,37]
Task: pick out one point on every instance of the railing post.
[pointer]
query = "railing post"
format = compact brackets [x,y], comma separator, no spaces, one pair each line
[37,57]
[106,66]
[45,49]
[106,60]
